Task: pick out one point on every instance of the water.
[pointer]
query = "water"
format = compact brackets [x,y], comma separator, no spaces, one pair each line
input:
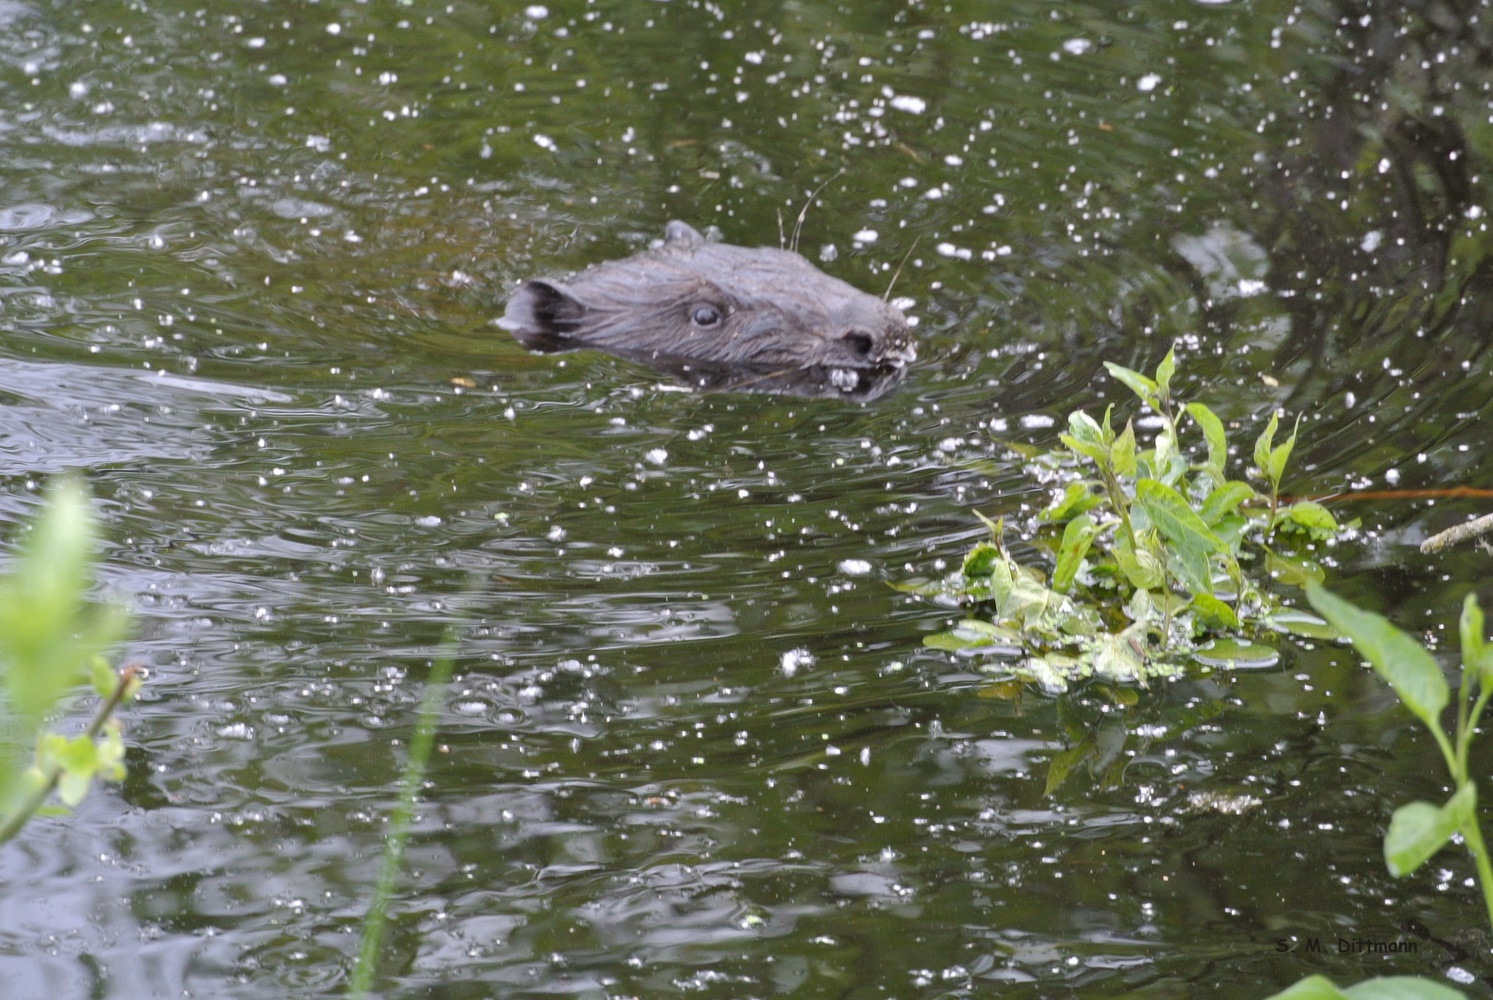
[249,259]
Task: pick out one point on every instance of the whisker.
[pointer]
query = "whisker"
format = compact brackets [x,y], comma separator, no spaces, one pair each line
[887,295]
[798,225]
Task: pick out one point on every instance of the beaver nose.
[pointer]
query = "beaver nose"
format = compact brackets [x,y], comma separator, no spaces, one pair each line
[887,347]
[860,342]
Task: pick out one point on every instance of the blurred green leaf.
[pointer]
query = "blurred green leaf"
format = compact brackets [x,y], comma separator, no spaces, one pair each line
[1398,658]
[41,604]
[1420,829]
[1383,988]
[102,677]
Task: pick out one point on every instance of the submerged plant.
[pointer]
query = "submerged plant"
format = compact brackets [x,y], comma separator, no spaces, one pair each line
[1147,573]
[51,643]
[1420,829]
[365,969]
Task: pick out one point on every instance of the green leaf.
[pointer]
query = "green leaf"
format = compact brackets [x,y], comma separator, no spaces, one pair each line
[1138,383]
[1402,988]
[1262,447]
[923,587]
[997,527]
[1475,659]
[1077,537]
[1213,614]
[1294,571]
[1168,461]
[1064,761]
[1298,622]
[1085,437]
[1119,657]
[72,787]
[1230,530]
[1398,658]
[1236,654]
[1027,602]
[1076,499]
[1141,568]
[1225,500]
[980,560]
[1164,373]
[1212,428]
[1310,518]
[102,677]
[1190,567]
[48,634]
[1280,454]
[1311,988]
[1383,988]
[972,634]
[1122,452]
[1171,515]
[1420,829]
[1190,541]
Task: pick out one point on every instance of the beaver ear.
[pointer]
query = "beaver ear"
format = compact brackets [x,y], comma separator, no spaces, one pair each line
[542,310]
[682,235]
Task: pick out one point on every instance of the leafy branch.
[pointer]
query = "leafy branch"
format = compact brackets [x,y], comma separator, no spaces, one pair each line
[1147,572]
[52,640]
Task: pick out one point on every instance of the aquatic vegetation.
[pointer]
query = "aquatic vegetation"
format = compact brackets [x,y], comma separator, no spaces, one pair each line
[1149,563]
[1420,829]
[411,780]
[51,642]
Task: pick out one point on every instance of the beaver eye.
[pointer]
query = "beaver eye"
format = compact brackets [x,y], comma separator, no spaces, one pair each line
[705,315]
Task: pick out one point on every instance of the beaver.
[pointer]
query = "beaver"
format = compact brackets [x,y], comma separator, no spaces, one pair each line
[722,317]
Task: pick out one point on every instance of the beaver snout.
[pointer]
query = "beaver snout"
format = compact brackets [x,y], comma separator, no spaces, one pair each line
[722,317]
[891,345]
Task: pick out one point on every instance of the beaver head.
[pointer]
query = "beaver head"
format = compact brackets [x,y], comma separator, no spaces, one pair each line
[722,317]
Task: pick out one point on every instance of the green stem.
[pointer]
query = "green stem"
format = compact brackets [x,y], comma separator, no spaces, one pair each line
[1449,753]
[399,821]
[11,824]
[1117,498]
[1465,730]
[1473,837]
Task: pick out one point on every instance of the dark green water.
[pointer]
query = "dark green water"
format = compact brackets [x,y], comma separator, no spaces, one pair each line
[695,746]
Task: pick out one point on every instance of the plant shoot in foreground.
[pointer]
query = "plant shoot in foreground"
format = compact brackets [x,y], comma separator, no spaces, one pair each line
[1419,829]
[52,641]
